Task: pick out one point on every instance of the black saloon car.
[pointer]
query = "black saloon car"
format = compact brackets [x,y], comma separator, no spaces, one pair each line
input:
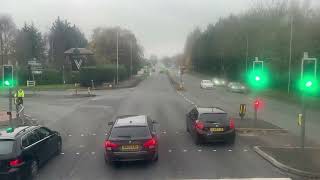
[210,125]
[131,138]
[24,149]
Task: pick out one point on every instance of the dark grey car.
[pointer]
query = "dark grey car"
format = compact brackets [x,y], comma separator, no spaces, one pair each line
[210,125]
[131,138]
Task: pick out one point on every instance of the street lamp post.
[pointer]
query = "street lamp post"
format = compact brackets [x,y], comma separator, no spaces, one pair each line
[117,57]
[290,54]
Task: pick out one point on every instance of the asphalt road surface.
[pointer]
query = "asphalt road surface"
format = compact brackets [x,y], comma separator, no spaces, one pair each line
[83,123]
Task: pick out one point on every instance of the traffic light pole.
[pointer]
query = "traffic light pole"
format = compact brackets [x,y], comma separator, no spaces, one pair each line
[303,123]
[10,106]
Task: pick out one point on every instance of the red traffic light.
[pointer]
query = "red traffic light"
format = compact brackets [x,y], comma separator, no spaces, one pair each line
[258,104]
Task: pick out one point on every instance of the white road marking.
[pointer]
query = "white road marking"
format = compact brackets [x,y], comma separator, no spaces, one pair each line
[169,150]
[185,150]
[69,135]
[62,153]
[241,179]
[77,153]
[164,132]
[81,146]
[177,132]
[245,150]
[199,150]
[93,153]
[94,134]
[230,150]
[82,134]
[214,150]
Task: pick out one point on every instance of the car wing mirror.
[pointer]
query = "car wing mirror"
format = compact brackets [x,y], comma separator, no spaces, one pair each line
[110,123]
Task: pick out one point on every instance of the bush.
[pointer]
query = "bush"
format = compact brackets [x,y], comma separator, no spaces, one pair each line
[101,74]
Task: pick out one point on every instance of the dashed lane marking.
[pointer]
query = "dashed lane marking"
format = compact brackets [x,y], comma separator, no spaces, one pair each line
[81,146]
[69,135]
[169,150]
[62,153]
[93,153]
[185,150]
[82,135]
[199,150]
[94,134]
[245,150]
[77,153]
[214,150]
[230,150]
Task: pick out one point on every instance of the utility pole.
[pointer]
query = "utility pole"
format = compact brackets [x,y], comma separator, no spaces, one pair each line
[247,53]
[117,57]
[290,53]
[131,59]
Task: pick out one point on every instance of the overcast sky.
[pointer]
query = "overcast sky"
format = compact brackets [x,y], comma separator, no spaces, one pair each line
[161,26]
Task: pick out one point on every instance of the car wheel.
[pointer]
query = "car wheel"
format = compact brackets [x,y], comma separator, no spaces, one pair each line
[59,147]
[231,140]
[34,169]
[197,140]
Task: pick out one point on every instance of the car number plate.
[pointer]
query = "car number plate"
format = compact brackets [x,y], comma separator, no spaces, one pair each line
[216,129]
[130,147]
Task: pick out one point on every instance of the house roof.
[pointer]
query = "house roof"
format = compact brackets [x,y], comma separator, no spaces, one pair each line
[82,51]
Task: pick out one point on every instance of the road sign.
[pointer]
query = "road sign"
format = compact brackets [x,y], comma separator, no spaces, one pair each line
[300,119]
[243,110]
[308,82]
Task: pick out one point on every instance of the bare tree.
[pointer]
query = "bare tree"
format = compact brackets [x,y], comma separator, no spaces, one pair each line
[7,36]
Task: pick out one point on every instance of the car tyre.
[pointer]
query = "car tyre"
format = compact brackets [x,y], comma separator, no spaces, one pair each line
[34,168]
[197,140]
[59,147]
[231,141]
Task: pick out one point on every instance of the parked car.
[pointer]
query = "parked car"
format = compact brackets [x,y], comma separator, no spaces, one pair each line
[206,84]
[237,87]
[131,138]
[24,149]
[219,82]
[210,124]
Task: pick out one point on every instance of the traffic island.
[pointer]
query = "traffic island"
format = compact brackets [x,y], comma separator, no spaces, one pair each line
[300,161]
[251,125]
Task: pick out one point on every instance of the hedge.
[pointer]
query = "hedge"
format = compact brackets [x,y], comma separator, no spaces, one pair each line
[101,74]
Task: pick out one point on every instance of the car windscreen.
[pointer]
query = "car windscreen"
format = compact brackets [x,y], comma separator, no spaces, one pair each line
[6,146]
[213,117]
[130,132]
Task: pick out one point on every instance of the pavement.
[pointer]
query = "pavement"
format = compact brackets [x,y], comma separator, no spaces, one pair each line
[82,123]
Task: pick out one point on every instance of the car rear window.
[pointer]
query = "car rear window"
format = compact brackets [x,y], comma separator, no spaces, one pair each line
[130,132]
[213,117]
[6,146]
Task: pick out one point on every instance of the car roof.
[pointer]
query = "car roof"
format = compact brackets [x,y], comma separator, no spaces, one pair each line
[131,120]
[217,110]
[16,132]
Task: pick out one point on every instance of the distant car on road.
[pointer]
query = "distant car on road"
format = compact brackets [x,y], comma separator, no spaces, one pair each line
[219,82]
[24,149]
[206,84]
[131,138]
[210,124]
[237,87]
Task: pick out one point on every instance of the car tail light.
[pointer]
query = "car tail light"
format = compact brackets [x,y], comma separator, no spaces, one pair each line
[231,124]
[199,124]
[150,144]
[15,162]
[109,145]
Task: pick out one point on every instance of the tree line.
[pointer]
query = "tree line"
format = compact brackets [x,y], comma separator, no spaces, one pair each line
[20,45]
[263,31]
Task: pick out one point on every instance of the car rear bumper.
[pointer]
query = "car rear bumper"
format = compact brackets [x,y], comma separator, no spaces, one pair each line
[12,174]
[130,156]
[217,137]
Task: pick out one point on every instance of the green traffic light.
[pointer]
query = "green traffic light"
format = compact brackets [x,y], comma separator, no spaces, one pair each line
[309,84]
[257,78]
[7,83]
